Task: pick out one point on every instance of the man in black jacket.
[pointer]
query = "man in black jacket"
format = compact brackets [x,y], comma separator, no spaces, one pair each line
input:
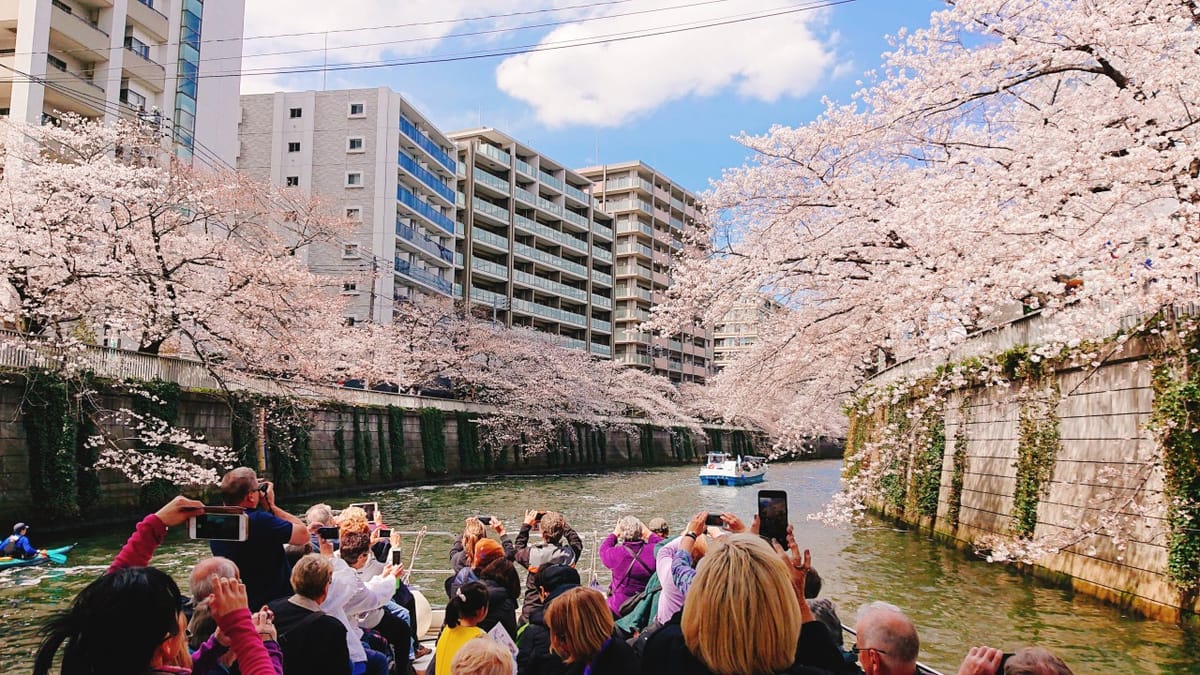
[534,656]
[313,642]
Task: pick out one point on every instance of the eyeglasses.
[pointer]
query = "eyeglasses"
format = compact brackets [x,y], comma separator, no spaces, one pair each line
[858,650]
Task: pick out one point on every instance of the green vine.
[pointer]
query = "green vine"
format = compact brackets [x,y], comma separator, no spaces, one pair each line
[1038,446]
[243,427]
[385,455]
[339,445]
[433,440]
[958,473]
[894,482]
[928,473]
[49,417]
[1175,418]
[288,442]
[647,440]
[87,453]
[468,442]
[396,441]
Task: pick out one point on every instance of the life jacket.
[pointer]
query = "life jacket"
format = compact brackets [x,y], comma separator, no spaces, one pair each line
[10,545]
[544,554]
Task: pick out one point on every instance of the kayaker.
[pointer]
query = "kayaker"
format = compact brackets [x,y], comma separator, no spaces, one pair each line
[17,544]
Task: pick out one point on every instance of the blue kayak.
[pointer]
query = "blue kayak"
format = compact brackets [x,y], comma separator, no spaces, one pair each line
[53,555]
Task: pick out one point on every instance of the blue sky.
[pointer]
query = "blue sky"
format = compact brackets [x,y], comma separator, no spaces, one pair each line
[673,101]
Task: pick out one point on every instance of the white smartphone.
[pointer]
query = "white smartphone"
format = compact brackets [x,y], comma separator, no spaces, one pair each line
[370,508]
[219,526]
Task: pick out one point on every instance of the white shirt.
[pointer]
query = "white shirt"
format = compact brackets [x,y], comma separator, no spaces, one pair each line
[349,596]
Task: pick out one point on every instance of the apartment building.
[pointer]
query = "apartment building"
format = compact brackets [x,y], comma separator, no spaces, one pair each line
[536,250]
[374,156]
[650,212]
[109,59]
[738,330]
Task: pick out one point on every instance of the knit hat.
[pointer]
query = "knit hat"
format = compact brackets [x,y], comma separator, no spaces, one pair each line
[487,550]
[18,527]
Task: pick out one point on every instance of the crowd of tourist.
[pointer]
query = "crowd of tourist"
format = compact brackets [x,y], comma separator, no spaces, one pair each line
[294,598]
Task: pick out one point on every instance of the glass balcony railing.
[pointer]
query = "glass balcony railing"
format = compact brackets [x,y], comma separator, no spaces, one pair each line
[498,212]
[601,277]
[676,223]
[602,231]
[575,218]
[534,227]
[525,195]
[407,198]
[601,301]
[555,287]
[576,194]
[632,248]
[601,254]
[568,342]
[494,153]
[424,243]
[547,205]
[481,235]
[489,267]
[552,313]
[424,276]
[427,177]
[638,314]
[634,359]
[549,259]
[524,167]
[495,182]
[426,143]
[460,200]
[602,350]
[602,325]
[483,297]
[547,179]
[623,291]
[630,226]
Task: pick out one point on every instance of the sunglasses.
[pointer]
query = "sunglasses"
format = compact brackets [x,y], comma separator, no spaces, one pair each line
[858,650]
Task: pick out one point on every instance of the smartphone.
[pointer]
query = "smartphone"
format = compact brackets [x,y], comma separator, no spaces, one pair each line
[219,526]
[384,533]
[537,521]
[486,520]
[397,557]
[369,507]
[328,533]
[714,520]
[773,515]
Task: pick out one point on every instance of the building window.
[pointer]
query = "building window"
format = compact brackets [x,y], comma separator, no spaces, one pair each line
[354,179]
[358,110]
[353,213]
[350,287]
[349,250]
[56,63]
[354,144]
[294,146]
[295,113]
[292,181]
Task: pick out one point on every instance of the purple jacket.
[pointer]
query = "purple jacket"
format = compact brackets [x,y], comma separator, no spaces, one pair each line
[632,565]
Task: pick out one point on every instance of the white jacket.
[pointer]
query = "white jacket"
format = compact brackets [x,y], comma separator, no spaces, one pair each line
[349,596]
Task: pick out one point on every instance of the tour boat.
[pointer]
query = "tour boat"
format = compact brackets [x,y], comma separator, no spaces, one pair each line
[54,555]
[724,469]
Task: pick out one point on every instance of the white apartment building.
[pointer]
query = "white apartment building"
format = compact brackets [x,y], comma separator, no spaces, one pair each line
[650,212]
[536,250]
[738,330]
[369,152]
[106,59]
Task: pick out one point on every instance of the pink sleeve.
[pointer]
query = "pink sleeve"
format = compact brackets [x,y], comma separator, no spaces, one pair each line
[140,548]
[252,656]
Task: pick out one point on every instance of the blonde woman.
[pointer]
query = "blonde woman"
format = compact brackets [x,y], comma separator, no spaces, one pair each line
[482,657]
[745,613]
[581,632]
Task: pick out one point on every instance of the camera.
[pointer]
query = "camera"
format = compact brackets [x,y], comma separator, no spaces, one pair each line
[384,533]
[714,520]
[328,533]
[397,557]
[486,520]
[263,487]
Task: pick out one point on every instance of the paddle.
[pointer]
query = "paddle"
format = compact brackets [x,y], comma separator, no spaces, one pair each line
[58,558]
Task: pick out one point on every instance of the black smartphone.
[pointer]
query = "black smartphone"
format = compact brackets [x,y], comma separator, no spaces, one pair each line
[384,533]
[397,557]
[369,507]
[486,520]
[219,526]
[714,520]
[773,515]
[328,533]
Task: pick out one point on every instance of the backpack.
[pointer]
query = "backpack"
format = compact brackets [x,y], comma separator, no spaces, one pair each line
[544,554]
[10,546]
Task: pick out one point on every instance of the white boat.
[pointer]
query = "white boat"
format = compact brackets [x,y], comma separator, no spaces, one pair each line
[724,469]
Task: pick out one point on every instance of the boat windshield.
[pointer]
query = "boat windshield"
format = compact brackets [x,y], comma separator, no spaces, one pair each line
[717,457]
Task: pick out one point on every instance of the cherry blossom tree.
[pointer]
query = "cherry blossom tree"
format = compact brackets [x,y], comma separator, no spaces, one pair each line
[1039,152]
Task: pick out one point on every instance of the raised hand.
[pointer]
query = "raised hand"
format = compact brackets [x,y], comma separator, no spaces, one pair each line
[178,510]
[228,595]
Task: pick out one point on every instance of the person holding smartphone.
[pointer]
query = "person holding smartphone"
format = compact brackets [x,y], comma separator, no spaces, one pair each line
[261,558]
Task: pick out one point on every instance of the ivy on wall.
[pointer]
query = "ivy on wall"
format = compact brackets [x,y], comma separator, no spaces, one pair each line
[647,440]
[288,442]
[895,479]
[433,440]
[359,441]
[959,470]
[927,475]
[396,441]
[1038,446]
[243,411]
[50,434]
[339,445]
[468,441]
[1175,420]
[87,478]
[385,455]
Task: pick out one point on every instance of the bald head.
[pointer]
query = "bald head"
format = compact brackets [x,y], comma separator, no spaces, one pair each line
[200,579]
[887,639]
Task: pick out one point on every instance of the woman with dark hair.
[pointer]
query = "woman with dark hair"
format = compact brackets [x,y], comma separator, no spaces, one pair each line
[465,611]
[504,587]
[131,619]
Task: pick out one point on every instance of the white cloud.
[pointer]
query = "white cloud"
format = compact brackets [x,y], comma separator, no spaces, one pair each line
[608,84]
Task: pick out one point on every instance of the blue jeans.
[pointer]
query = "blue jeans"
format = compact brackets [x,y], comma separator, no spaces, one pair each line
[376,664]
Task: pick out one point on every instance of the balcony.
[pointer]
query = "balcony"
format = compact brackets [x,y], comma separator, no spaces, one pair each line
[572,217]
[631,248]
[634,359]
[545,232]
[494,182]
[425,143]
[602,232]
[76,35]
[601,302]
[485,238]
[633,336]
[549,259]
[73,93]
[602,325]
[524,167]
[601,350]
[500,272]
[602,254]
[661,279]
[138,65]
[602,278]
[146,15]
[634,226]
[534,281]
[410,200]
[568,342]
[487,208]
[550,181]
[428,178]
[484,297]
[423,276]
[495,154]
[551,313]
[576,194]
[622,291]
[633,314]
[525,195]
[423,243]
[662,258]
[547,205]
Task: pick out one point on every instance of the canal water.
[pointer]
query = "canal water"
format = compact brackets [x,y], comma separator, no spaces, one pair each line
[956,600]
